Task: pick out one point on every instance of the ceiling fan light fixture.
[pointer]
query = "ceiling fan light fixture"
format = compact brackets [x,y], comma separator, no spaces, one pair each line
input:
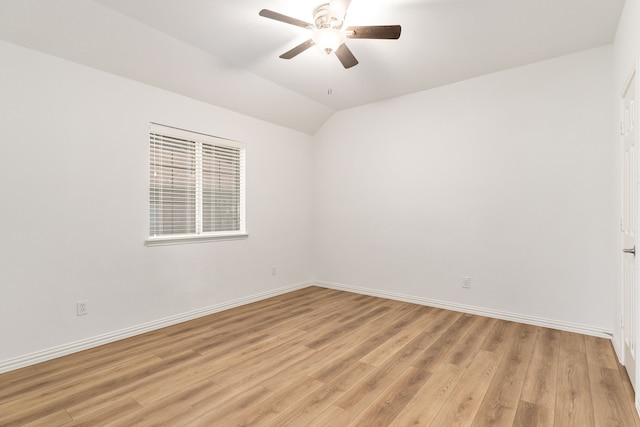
[329,39]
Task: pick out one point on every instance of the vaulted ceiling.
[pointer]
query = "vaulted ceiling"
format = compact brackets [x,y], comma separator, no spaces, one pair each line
[224,53]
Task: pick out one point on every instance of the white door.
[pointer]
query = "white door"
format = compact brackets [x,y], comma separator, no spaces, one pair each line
[629,229]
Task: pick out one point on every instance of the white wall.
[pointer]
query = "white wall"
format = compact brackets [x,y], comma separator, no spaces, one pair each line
[509,178]
[626,46]
[505,178]
[74,194]
[626,54]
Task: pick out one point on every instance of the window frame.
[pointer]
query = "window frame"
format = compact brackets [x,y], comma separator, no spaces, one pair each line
[200,140]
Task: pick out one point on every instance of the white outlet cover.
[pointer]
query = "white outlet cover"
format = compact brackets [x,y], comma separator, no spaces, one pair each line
[81,308]
[466,282]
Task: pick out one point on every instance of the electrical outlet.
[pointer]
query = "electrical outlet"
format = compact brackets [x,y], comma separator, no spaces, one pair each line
[466,282]
[274,270]
[81,308]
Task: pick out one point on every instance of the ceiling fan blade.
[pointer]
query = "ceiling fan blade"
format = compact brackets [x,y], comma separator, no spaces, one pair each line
[345,56]
[284,18]
[374,32]
[298,49]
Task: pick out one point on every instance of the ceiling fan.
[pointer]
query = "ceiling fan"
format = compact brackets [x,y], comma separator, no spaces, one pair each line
[328,32]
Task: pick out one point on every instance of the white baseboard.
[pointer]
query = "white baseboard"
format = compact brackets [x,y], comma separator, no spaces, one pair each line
[617,350]
[74,347]
[514,317]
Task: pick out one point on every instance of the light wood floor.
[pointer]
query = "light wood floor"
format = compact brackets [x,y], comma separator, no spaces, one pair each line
[324,357]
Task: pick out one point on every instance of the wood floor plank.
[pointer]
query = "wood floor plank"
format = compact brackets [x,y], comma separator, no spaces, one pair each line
[422,409]
[327,310]
[178,408]
[532,415]
[500,403]
[240,342]
[379,355]
[309,322]
[540,382]
[465,349]
[232,408]
[278,403]
[628,391]
[74,366]
[256,349]
[366,391]
[574,403]
[107,414]
[313,405]
[610,407]
[572,342]
[462,405]
[217,342]
[70,393]
[264,363]
[60,418]
[258,375]
[341,349]
[19,375]
[100,356]
[365,305]
[332,417]
[343,328]
[393,399]
[600,352]
[325,357]
[256,316]
[367,343]
[439,350]
[164,376]
[157,387]
[499,338]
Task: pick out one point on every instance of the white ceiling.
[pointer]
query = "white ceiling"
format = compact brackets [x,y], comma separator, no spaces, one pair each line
[224,53]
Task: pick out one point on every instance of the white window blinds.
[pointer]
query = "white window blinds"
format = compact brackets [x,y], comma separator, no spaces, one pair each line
[196,184]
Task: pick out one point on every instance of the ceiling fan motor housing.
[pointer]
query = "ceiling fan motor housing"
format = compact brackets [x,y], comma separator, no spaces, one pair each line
[326,16]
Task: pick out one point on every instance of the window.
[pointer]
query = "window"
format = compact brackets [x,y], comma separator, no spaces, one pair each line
[196,189]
